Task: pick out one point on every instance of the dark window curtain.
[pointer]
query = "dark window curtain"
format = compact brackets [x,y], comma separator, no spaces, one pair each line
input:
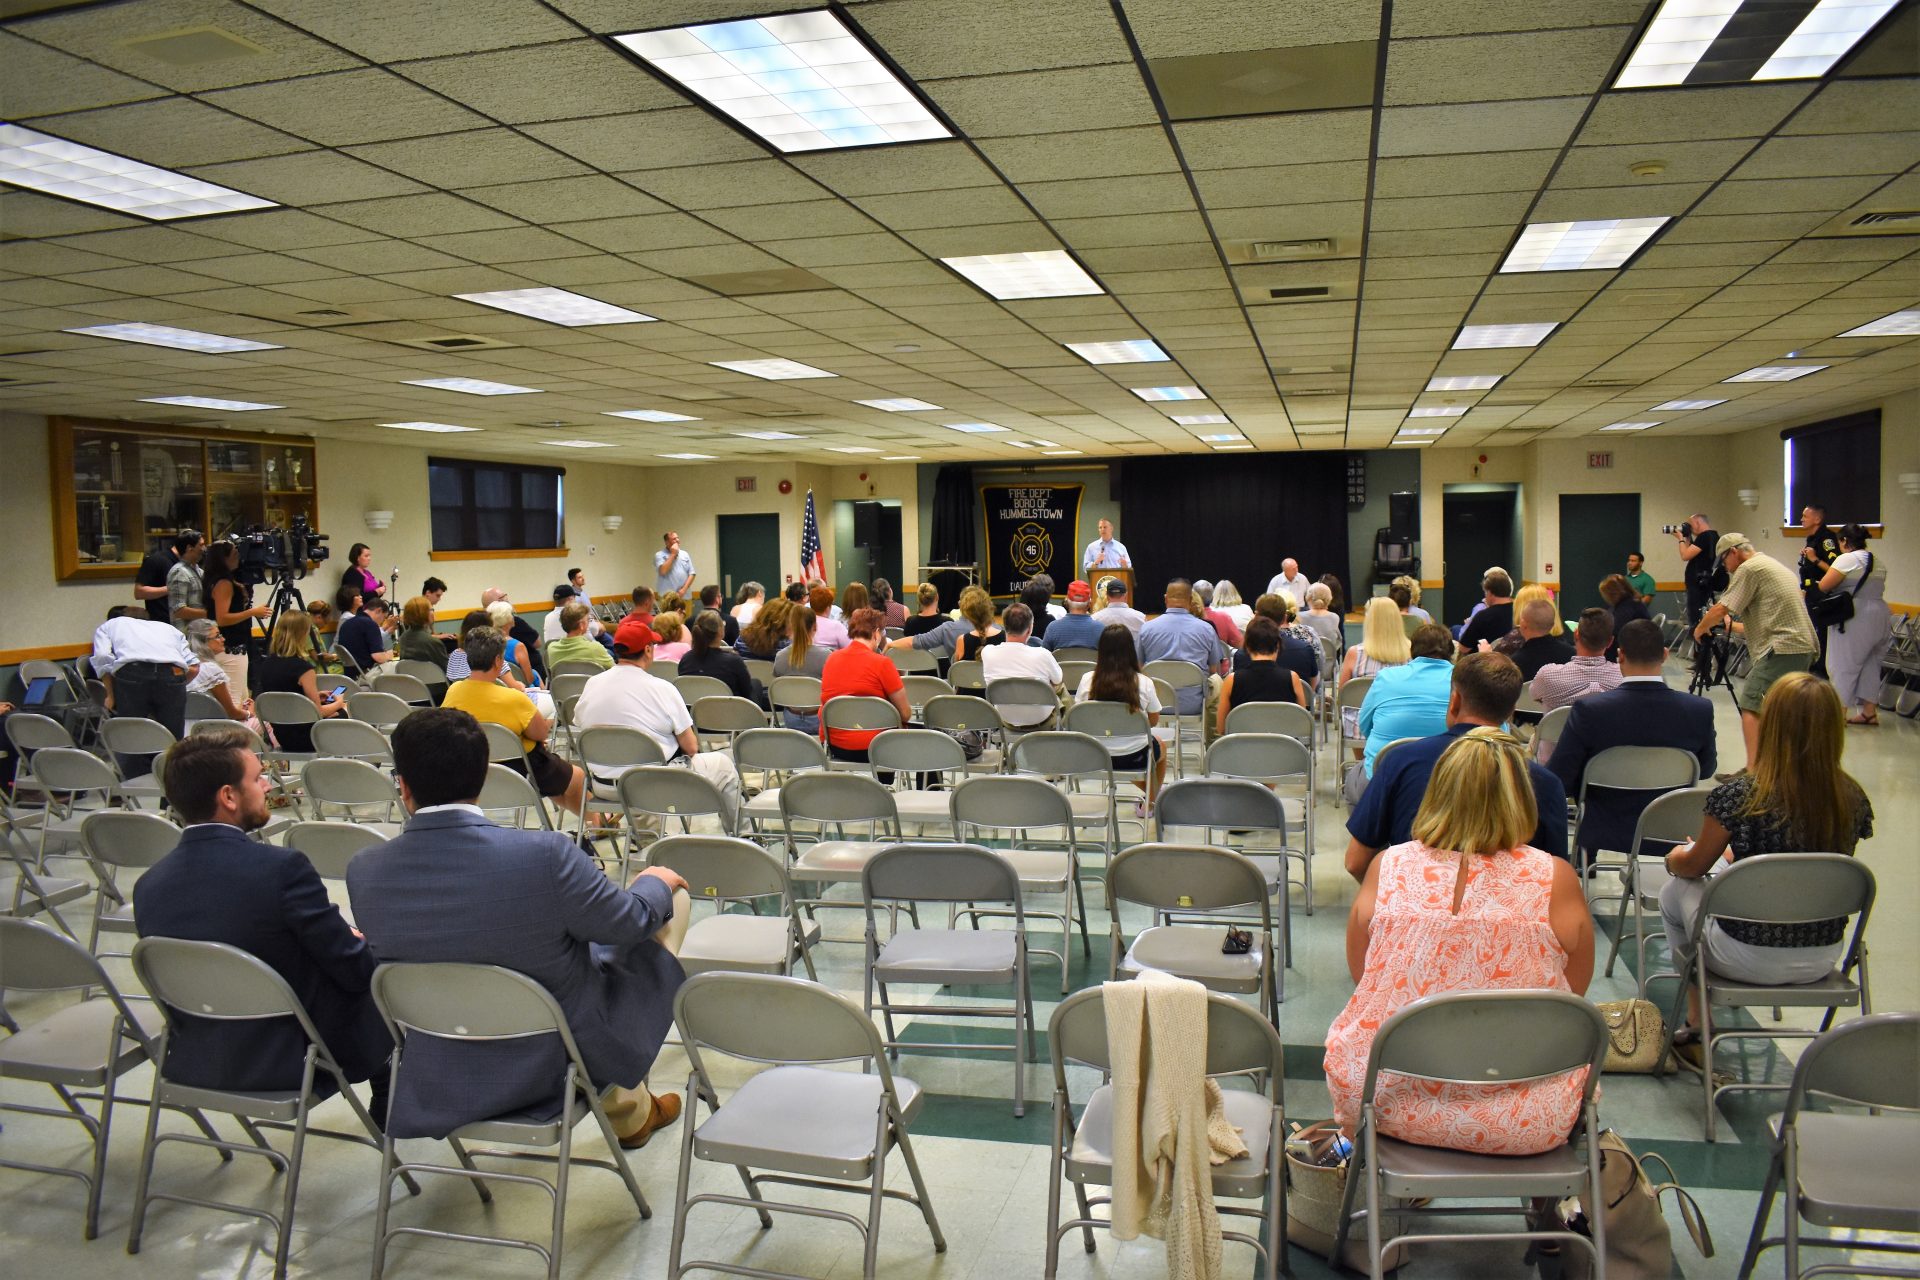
[1235,517]
[1836,464]
[953,540]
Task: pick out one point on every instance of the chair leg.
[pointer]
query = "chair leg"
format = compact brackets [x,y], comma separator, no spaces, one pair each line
[677,1240]
[1054,1172]
[466,1162]
[383,1203]
[905,1144]
[1344,1228]
[145,1175]
[1620,918]
[619,1157]
[1768,1191]
[1706,1042]
[1374,1258]
[1790,1175]
[563,1160]
[1276,1202]
[284,1244]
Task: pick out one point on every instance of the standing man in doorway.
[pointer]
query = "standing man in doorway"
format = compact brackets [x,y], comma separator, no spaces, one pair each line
[672,567]
[1823,547]
[1696,541]
[1639,579]
[1105,552]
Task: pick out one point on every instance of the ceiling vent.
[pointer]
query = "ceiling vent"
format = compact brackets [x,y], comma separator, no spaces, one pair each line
[1888,218]
[1608,382]
[1283,250]
[452,342]
[194,46]
[1871,222]
[1290,295]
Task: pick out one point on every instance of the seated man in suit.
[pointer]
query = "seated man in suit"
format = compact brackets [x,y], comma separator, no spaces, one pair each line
[1486,686]
[1642,712]
[219,886]
[454,888]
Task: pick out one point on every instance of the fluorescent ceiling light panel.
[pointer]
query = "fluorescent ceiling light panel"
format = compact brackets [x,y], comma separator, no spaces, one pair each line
[1677,405]
[442,428]
[1169,393]
[1823,38]
[649,415]
[687,457]
[40,162]
[1019,444]
[1688,43]
[208,402]
[850,448]
[160,335]
[1775,373]
[1399,443]
[1231,448]
[1132,351]
[773,370]
[556,306]
[472,386]
[800,81]
[1050,273]
[769,435]
[1423,431]
[973,428]
[1502,335]
[901,457]
[1629,426]
[1465,382]
[1437,411]
[1580,246]
[1200,419]
[1679,35]
[1063,453]
[901,404]
[580,444]
[1224,437]
[1898,325]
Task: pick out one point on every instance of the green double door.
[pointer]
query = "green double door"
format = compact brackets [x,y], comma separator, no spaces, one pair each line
[750,552]
[1597,533]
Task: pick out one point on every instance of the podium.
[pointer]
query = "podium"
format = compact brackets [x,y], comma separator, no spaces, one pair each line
[1125,575]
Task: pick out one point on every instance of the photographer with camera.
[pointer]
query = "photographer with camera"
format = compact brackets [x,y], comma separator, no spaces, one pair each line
[1697,544]
[1773,619]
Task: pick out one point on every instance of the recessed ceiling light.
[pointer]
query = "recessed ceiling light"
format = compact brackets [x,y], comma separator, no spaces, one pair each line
[1688,42]
[1132,351]
[1437,411]
[1018,444]
[1502,335]
[1580,246]
[901,457]
[160,335]
[1822,38]
[973,428]
[769,435]
[472,386]
[1630,426]
[1423,431]
[208,402]
[1400,443]
[556,306]
[1169,393]
[773,370]
[1899,324]
[1230,448]
[580,444]
[801,81]
[1775,373]
[41,162]
[1223,437]
[1677,405]
[444,428]
[901,404]
[1465,382]
[1200,419]
[850,448]
[1050,273]
[687,457]
[649,415]
[1063,453]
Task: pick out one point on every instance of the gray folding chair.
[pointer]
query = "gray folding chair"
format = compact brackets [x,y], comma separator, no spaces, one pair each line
[1178,675]
[1479,1038]
[75,783]
[914,661]
[761,670]
[719,719]
[278,709]
[1105,721]
[345,738]
[1276,760]
[503,744]
[925,764]
[663,792]
[485,1004]
[727,871]
[665,668]
[330,846]
[409,689]
[214,981]
[1546,734]
[1076,653]
[1671,819]
[1227,806]
[133,736]
[852,1120]
[204,706]
[1273,717]
[964,713]
[833,802]
[921,689]
[693,688]
[29,732]
[360,792]
[381,710]
[29,891]
[775,754]
[507,792]
[1017,809]
[1842,1169]
[1350,696]
[427,673]
[578,667]
[857,713]
[1069,759]
[1240,1041]
[1630,776]
[1170,878]
[116,841]
[953,874]
[967,676]
[1774,888]
[798,694]
[1072,671]
[1025,694]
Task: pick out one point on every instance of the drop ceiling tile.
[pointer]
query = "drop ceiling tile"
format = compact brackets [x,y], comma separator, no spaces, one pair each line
[1184,28]
[1253,142]
[484,157]
[1579,204]
[560,81]
[648,140]
[345,107]
[1505,67]
[1094,153]
[283,229]
[435,212]
[802,219]
[269,50]
[309,177]
[567,199]
[1402,177]
[649,231]
[1833,155]
[1045,101]
[708,260]
[262,269]
[1691,114]
[967,207]
[1455,18]
[172,133]
[1477,127]
[421,29]
[43,81]
[1456,240]
[378,257]
[1283,184]
[1138,229]
[1788,195]
[157,244]
[843,251]
[1700,228]
[1857,106]
[1430,212]
[513,244]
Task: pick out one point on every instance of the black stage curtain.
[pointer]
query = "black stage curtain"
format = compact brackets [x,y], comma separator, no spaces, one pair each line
[955,526]
[1232,517]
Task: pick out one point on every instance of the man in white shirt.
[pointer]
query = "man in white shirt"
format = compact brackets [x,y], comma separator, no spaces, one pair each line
[1118,610]
[1018,656]
[1105,551]
[1291,581]
[672,566]
[146,666]
[633,697]
[551,629]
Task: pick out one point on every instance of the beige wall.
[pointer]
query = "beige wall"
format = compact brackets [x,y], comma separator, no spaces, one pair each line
[1674,478]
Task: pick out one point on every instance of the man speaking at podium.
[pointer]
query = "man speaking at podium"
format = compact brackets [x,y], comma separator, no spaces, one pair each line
[1105,552]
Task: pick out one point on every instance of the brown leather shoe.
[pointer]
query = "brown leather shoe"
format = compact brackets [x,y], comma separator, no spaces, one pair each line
[666,1109]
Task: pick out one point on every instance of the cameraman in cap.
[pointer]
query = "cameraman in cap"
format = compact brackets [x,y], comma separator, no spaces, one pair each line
[1773,619]
[1697,543]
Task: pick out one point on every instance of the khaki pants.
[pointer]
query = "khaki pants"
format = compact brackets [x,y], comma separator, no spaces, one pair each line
[628,1109]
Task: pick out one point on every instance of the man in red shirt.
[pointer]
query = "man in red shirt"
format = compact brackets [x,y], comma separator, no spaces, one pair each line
[860,670]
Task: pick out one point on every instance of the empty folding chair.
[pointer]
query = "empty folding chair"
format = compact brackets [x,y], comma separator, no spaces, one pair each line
[1484,1038]
[963,713]
[330,846]
[832,804]
[381,710]
[1019,810]
[775,754]
[75,784]
[120,841]
[409,689]
[914,661]
[1272,717]
[29,733]
[1842,1169]
[1227,806]
[693,688]
[1184,878]
[728,871]
[1670,820]
[860,714]
[1070,760]
[1277,760]
[719,719]
[853,1120]
[216,981]
[485,1004]
[343,738]
[360,791]
[144,740]
[921,689]
[925,764]
[508,793]
[653,795]
[1240,1041]
[951,957]
[30,891]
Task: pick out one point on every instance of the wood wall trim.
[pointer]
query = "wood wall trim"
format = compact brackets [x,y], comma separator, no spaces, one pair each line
[46,653]
[513,553]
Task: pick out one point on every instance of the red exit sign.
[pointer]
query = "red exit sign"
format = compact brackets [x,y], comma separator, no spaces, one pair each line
[1598,461]
[745,484]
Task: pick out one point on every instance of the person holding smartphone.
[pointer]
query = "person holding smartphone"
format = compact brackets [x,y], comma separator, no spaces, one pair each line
[286,669]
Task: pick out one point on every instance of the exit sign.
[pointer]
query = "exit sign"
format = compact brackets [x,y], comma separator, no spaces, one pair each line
[745,484]
[1597,461]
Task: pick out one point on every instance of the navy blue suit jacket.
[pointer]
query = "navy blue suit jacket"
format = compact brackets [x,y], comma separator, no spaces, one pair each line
[456,888]
[1385,812]
[1639,713]
[219,886]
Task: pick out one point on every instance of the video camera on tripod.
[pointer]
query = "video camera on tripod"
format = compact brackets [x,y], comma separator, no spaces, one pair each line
[1712,656]
[280,554]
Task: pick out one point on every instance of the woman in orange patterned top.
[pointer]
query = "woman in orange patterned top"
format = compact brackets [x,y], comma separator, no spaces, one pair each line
[1466,905]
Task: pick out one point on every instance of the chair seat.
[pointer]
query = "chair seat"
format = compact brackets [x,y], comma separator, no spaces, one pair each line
[990,761]
[1857,1171]
[1041,869]
[117,919]
[387,830]
[1824,992]
[737,944]
[270,1104]
[1091,1159]
[1409,1169]
[70,1048]
[58,891]
[924,806]
[1089,808]
[1193,951]
[802,1120]
[535,1127]
[765,805]
[947,955]
[142,784]
[836,860]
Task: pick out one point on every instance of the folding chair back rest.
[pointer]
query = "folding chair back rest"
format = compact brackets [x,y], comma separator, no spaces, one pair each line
[37,957]
[1021,691]
[960,711]
[1076,653]
[346,782]
[781,750]
[468,1002]
[404,687]
[232,729]
[286,708]
[1271,717]
[940,873]
[669,789]
[1868,1061]
[1007,801]
[617,747]
[503,744]
[1791,888]
[860,713]
[694,688]
[330,846]
[1553,724]
[837,797]
[1106,720]
[135,736]
[799,692]
[377,708]
[1059,753]
[765,1018]
[1220,802]
[214,980]
[1671,818]
[1491,1037]
[967,673]
[505,789]
[1259,755]
[350,739]
[568,684]
[1641,769]
[1239,1038]
[1354,692]
[1177,674]
[916,751]
[71,769]
[30,731]
[126,838]
[1185,877]
[720,867]
[725,713]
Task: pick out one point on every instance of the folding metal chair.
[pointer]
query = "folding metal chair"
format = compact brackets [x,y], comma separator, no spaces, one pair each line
[1185,878]
[761,670]
[30,891]
[381,710]
[30,733]
[1229,806]
[1076,653]
[665,668]
[344,738]
[853,1120]
[1015,809]
[1670,820]
[75,784]
[1240,1041]
[964,713]
[1842,1169]
[661,792]
[1631,776]
[409,689]
[1178,675]
[775,754]
[354,787]
[277,710]
[856,713]
[503,744]
[797,694]
[833,802]
[330,847]
[430,674]
[922,689]
[914,661]
[719,719]
[1276,759]
[507,792]
[1068,759]
[1025,693]
[1105,721]
[480,1004]
[1273,717]
[925,764]
[578,667]
[133,736]
[1479,1038]
[1546,734]
[1349,697]
[728,871]
[115,841]
[967,676]
[214,981]
[954,874]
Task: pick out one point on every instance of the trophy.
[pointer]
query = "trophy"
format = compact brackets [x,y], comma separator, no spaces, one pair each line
[271,485]
[296,473]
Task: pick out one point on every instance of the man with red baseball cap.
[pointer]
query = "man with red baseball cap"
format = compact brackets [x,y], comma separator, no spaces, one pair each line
[1078,630]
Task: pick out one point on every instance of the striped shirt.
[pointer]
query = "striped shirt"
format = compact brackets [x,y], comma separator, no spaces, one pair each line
[1562,683]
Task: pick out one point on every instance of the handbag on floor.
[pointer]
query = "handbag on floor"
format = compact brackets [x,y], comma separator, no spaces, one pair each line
[1639,1241]
[1636,1034]
[1314,1195]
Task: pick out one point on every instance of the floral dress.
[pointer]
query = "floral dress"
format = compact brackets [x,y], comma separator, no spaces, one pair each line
[1500,940]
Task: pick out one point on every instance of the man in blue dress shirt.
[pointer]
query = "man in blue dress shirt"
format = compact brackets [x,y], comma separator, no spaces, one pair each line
[1105,552]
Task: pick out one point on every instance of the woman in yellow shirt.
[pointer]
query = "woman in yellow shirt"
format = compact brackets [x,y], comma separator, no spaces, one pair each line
[480,696]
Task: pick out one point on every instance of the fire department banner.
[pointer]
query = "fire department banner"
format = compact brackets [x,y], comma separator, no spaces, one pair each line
[1031,529]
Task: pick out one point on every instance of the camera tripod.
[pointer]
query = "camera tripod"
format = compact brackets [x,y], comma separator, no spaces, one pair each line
[1711,658]
[284,596]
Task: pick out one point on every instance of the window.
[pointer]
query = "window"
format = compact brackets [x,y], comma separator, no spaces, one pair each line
[1835,463]
[495,506]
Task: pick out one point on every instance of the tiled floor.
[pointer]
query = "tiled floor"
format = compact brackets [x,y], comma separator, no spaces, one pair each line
[988,1172]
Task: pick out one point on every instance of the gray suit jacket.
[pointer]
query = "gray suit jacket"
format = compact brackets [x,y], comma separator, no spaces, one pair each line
[455,887]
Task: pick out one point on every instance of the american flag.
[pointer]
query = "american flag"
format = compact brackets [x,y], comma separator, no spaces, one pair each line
[813,564]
